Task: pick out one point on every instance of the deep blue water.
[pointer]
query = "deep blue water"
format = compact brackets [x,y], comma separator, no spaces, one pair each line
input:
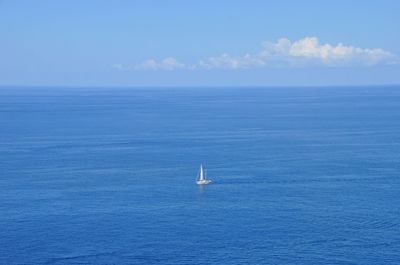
[106,176]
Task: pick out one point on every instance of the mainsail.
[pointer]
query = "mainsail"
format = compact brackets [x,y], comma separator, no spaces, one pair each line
[201,173]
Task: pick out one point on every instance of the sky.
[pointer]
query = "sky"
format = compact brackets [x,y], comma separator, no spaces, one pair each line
[199,43]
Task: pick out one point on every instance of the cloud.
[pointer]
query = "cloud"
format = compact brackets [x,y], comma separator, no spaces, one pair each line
[168,64]
[309,50]
[282,53]
[227,61]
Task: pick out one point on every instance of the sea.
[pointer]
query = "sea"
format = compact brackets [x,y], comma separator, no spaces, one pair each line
[301,175]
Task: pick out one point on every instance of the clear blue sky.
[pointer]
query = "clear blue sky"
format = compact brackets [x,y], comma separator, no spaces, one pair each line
[196,43]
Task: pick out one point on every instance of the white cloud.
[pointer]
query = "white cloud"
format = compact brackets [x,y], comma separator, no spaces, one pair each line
[282,53]
[226,61]
[168,64]
[309,50]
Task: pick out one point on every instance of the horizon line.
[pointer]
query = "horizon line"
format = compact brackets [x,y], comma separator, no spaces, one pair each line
[192,86]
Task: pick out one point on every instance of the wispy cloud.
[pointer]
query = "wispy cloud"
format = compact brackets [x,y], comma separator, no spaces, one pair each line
[226,61]
[168,64]
[282,53]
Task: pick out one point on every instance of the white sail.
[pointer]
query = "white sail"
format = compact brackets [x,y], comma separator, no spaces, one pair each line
[201,174]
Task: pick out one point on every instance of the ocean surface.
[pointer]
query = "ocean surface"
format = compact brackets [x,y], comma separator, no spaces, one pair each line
[107,175]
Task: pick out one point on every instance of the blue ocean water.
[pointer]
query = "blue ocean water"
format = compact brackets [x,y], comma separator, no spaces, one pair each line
[106,176]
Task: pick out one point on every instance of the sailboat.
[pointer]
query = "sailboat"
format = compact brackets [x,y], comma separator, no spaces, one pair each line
[201,180]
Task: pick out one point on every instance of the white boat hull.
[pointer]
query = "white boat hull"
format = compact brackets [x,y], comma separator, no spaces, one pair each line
[203,182]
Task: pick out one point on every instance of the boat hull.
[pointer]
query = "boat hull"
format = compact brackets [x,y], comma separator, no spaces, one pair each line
[203,182]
